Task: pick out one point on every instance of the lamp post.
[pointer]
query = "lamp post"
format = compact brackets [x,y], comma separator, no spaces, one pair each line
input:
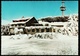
[63,8]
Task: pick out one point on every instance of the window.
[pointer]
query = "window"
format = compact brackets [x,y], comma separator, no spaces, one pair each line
[28,30]
[47,29]
[42,30]
[37,30]
[22,24]
[19,24]
[53,30]
[46,24]
[12,25]
[15,25]
[33,30]
[18,28]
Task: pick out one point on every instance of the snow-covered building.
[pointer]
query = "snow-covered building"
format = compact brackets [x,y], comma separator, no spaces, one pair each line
[30,25]
[22,23]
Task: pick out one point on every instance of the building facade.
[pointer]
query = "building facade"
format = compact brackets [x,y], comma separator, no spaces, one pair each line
[29,26]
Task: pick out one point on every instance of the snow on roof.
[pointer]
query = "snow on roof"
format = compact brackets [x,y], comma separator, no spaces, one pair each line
[29,18]
[23,18]
[17,22]
[32,27]
[54,23]
[43,22]
[57,23]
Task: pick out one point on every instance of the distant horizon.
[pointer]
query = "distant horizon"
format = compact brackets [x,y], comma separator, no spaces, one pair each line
[16,9]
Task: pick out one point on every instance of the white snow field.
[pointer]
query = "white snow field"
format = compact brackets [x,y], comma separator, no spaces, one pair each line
[39,44]
[64,43]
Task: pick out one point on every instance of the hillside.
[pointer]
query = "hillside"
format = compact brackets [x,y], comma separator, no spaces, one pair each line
[55,19]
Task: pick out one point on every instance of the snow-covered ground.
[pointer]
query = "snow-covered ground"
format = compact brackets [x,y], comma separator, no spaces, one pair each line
[43,43]
[39,44]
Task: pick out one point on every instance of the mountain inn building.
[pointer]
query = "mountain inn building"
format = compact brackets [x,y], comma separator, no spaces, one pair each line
[30,25]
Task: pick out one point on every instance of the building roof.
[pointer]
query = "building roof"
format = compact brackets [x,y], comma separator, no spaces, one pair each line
[23,18]
[28,18]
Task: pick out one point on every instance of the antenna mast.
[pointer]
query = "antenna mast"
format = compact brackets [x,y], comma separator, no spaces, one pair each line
[63,8]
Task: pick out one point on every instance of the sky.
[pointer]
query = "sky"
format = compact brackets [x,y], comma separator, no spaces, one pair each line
[16,9]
